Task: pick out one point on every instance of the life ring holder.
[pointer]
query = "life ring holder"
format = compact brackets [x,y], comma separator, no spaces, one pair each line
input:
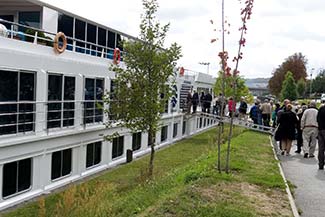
[117,56]
[56,46]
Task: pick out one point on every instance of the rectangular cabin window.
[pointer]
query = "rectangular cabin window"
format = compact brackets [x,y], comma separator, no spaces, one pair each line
[119,42]
[93,105]
[136,141]
[69,104]
[16,177]
[7,18]
[102,35]
[118,147]
[17,102]
[93,156]
[111,40]
[175,130]
[27,94]
[91,37]
[61,104]
[65,25]
[61,163]
[164,133]
[80,33]
[111,43]
[29,18]
[184,128]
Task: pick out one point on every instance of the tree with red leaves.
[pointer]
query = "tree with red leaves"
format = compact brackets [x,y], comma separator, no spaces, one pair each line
[296,64]
[245,13]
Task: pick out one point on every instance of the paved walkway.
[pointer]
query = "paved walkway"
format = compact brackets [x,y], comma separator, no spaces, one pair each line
[303,173]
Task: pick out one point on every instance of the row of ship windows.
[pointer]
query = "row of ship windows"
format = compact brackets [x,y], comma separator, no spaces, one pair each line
[17,175]
[17,101]
[18,106]
[88,32]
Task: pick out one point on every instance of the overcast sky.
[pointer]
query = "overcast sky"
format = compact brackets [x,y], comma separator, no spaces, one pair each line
[278,29]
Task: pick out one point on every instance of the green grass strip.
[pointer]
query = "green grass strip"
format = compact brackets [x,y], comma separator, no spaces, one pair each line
[185,183]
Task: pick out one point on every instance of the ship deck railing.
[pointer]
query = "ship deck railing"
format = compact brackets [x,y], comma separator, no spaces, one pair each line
[87,48]
[28,117]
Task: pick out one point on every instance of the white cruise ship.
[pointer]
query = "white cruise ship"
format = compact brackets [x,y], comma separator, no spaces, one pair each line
[51,131]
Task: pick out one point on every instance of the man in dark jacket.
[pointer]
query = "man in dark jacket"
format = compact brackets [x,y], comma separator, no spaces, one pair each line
[254,113]
[208,99]
[195,101]
[321,136]
[242,109]
[299,131]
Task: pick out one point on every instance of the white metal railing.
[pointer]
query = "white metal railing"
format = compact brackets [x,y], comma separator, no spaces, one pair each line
[28,117]
[238,122]
[88,48]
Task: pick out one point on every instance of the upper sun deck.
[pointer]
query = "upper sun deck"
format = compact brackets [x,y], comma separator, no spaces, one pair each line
[37,22]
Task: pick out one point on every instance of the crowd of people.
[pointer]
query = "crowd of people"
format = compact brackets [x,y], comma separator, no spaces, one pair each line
[294,122]
[194,100]
[304,124]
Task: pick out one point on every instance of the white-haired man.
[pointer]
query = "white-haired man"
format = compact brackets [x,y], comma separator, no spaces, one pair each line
[309,128]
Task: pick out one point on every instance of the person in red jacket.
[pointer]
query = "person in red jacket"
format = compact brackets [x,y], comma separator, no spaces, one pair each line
[231,107]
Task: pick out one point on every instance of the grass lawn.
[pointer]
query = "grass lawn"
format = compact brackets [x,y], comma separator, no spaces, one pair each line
[185,183]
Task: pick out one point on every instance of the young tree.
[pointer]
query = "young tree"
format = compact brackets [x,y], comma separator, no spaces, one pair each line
[289,87]
[301,87]
[144,83]
[245,13]
[318,84]
[241,90]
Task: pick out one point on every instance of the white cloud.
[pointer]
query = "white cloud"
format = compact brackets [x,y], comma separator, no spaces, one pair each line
[278,29]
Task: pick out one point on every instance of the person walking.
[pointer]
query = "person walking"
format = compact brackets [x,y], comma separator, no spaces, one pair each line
[321,136]
[231,107]
[202,102]
[309,127]
[254,113]
[242,109]
[286,130]
[266,110]
[299,131]
[216,106]
[282,109]
[274,114]
[207,102]
[195,101]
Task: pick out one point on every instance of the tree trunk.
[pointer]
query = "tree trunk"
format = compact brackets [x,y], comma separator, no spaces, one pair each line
[231,127]
[229,142]
[152,153]
[220,125]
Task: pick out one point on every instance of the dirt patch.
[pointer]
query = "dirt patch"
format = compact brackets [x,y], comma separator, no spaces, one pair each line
[266,202]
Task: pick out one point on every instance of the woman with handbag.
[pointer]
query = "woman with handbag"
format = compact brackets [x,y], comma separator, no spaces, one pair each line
[287,128]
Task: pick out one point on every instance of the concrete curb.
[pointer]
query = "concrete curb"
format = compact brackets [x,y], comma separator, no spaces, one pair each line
[290,197]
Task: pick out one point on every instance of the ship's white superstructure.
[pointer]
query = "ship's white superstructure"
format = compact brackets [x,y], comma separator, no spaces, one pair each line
[51,129]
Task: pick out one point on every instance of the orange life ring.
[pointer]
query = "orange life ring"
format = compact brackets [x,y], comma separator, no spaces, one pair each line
[56,46]
[117,56]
